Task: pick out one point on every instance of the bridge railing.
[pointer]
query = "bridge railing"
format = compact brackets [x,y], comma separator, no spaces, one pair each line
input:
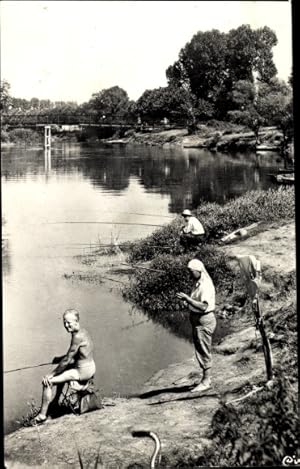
[29,119]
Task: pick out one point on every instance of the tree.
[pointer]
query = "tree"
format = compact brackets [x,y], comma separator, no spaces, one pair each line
[201,64]
[213,62]
[5,98]
[35,103]
[265,40]
[243,94]
[275,104]
[171,102]
[271,105]
[110,102]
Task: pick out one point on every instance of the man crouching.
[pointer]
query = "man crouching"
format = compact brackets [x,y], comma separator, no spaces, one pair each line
[77,365]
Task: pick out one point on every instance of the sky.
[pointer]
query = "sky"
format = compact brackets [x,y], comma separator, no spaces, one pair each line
[68,50]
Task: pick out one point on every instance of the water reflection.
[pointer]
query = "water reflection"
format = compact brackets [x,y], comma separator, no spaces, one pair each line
[47,158]
[186,176]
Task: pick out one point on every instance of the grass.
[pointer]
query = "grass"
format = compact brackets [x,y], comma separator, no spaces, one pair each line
[21,136]
[155,290]
[33,411]
[218,220]
[259,432]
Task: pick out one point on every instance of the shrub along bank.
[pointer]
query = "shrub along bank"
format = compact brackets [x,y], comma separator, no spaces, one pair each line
[21,137]
[155,289]
[262,429]
[218,220]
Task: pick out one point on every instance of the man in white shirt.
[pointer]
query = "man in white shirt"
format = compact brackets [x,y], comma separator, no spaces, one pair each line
[192,233]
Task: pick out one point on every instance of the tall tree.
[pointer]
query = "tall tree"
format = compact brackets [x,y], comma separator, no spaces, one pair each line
[170,101]
[5,98]
[212,62]
[201,64]
[111,102]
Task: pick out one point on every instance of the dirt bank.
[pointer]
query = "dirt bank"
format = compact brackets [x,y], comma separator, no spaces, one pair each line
[180,419]
[219,136]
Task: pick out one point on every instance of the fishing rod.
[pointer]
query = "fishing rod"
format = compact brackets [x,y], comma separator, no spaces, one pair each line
[144,268]
[27,367]
[98,223]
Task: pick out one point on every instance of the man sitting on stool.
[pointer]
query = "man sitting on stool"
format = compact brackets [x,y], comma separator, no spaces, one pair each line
[192,233]
[76,366]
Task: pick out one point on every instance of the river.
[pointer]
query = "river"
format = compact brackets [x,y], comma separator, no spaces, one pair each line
[50,205]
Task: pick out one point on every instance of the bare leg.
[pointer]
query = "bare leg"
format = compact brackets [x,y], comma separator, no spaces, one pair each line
[205,383]
[206,380]
[47,396]
[68,375]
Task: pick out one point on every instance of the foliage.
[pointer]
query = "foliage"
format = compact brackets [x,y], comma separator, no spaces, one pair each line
[278,429]
[112,101]
[243,93]
[201,63]
[271,104]
[26,136]
[155,289]
[4,136]
[32,412]
[170,102]
[259,432]
[5,98]
[254,206]
[212,63]
[283,324]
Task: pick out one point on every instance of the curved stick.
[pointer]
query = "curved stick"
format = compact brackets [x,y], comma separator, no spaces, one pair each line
[157,448]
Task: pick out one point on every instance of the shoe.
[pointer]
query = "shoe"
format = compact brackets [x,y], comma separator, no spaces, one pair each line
[201,387]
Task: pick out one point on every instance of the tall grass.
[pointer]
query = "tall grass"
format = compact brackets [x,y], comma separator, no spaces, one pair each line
[259,432]
[254,206]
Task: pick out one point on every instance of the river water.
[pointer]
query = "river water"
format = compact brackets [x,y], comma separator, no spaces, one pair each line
[50,206]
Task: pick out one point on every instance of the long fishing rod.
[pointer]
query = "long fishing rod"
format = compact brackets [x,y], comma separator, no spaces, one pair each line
[98,223]
[144,268]
[27,367]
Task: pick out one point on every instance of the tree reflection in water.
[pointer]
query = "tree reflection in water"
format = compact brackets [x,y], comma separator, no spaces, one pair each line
[187,176]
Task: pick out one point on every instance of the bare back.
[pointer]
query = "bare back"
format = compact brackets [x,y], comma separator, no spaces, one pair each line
[85,347]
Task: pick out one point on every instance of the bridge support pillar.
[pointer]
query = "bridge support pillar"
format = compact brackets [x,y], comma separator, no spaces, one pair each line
[47,137]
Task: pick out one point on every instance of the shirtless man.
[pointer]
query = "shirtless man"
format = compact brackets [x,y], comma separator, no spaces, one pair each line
[77,365]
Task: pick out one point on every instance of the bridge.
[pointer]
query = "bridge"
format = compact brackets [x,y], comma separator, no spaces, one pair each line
[60,119]
[18,119]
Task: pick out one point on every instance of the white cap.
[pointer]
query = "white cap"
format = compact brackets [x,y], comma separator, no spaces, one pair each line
[197,265]
[187,213]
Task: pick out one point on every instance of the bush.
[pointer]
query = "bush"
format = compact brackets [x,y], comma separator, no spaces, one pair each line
[26,136]
[155,289]
[254,206]
[259,432]
[4,136]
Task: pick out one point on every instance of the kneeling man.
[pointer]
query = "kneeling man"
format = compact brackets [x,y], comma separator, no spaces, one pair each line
[192,233]
[77,365]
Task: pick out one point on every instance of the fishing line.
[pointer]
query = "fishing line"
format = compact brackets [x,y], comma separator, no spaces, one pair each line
[98,223]
[27,367]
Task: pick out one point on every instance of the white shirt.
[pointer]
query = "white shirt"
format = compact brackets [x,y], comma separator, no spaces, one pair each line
[193,226]
[204,291]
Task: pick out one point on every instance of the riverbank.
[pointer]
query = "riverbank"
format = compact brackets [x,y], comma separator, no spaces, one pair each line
[215,136]
[184,422]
